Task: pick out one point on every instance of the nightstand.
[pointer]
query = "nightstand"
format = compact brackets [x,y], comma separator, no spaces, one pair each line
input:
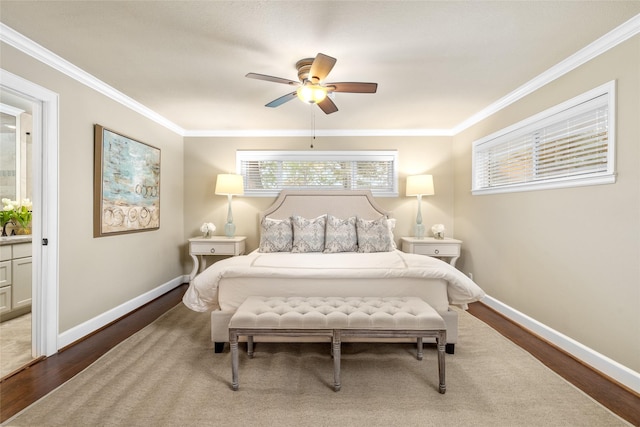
[200,247]
[446,248]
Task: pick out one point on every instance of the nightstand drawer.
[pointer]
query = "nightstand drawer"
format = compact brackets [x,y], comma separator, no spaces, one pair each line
[446,248]
[217,248]
[437,250]
[202,247]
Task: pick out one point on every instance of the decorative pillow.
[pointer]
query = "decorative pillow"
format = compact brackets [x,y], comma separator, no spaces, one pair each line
[341,235]
[276,235]
[391,223]
[308,234]
[373,235]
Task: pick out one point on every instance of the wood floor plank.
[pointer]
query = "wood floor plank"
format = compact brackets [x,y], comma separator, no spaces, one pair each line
[20,390]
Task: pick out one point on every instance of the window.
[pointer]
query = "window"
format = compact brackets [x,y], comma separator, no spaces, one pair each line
[571,144]
[15,153]
[267,172]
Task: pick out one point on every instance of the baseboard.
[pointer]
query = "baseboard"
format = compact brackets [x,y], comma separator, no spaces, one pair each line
[78,332]
[614,370]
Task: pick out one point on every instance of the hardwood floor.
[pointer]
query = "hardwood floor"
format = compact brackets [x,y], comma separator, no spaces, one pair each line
[20,390]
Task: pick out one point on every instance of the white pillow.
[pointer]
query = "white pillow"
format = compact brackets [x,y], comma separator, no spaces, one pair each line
[308,234]
[373,235]
[276,235]
[341,235]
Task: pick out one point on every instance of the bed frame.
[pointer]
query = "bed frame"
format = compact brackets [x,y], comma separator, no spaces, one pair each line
[310,204]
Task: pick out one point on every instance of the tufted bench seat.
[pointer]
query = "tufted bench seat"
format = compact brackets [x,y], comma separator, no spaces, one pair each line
[336,317]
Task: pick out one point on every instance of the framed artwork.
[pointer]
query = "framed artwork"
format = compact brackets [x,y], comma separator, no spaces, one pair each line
[126,184]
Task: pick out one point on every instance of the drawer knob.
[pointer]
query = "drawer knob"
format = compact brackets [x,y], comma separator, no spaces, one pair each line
[437,251]
[213,250]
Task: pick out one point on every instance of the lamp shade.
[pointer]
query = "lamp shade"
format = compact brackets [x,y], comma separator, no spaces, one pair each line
[420,185]
[229,184]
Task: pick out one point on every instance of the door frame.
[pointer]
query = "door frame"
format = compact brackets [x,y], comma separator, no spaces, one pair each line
[45,267]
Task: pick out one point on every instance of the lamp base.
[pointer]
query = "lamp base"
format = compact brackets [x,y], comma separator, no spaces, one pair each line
[229,229]
[418,231]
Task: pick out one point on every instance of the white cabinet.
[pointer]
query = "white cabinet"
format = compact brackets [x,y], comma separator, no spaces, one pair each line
[5,299]
[447,248]
[21,287]
[15,280]
[200,247]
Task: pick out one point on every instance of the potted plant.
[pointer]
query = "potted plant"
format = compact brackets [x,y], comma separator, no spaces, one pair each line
[19,215]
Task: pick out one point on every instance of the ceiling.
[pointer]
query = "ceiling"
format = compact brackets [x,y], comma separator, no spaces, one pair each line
[436,63]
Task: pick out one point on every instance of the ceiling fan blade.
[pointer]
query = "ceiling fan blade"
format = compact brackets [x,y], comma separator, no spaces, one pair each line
[272,79]
[285,98]
[321,67]
[327,106]
[352,87]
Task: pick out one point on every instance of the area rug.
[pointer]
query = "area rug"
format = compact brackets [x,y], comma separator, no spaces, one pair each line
[168,375]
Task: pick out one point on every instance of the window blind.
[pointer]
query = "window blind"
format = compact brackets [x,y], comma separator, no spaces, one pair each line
[572,145]
[267,172]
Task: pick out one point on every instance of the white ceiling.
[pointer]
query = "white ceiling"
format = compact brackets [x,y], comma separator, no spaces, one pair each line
[437,63]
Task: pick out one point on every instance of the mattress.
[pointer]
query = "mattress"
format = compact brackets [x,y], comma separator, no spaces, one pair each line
[226,284]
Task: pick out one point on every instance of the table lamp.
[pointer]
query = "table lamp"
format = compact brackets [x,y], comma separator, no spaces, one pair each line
[229,185]
[419,185]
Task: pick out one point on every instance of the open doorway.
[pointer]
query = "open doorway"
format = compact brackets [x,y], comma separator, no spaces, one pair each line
[16,191]
[43,105]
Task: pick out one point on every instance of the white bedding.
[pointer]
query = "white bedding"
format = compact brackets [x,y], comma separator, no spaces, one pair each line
[373,270]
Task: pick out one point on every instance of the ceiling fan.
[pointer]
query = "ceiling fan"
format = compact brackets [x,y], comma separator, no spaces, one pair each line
[311,87]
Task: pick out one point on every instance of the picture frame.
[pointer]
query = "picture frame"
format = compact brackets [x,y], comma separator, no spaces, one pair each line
[126,184]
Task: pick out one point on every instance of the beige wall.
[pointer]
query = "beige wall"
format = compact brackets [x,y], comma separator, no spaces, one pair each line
[97,275]
[569,258]
[206,157]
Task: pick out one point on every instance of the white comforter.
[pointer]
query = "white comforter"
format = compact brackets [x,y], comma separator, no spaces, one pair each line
[203,290]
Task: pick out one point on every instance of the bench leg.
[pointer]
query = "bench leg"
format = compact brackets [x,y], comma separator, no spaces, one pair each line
[420,348]
[441,343]
[250,346]
[233,342]
[336,360]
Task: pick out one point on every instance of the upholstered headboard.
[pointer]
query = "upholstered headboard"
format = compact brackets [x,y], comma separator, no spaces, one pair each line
[313,203]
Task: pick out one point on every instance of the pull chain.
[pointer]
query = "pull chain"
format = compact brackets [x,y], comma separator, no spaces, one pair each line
[313,125]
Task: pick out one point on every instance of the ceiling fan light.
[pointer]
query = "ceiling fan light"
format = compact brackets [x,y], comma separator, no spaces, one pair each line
[311,94]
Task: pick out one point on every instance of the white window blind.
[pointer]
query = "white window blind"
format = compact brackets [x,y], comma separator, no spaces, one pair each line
[267,172]
[571,144]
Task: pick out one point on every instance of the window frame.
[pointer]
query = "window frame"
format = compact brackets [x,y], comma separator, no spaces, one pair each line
[539,121]
[321,155]
[19,170]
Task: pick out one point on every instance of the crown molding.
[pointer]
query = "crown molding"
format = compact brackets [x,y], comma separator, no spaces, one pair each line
[598,47]
[27,46]
[265,133]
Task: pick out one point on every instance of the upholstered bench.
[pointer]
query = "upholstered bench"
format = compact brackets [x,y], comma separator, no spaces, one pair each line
[337,317]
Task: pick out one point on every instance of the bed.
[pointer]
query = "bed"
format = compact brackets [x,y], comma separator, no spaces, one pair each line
[319,258]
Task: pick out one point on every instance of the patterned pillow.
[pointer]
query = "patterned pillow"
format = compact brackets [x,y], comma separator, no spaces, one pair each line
[308,234]
[391,223]
[276,235]
[341,235]
[373,235]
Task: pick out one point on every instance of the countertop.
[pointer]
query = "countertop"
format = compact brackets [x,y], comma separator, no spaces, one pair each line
[11,240]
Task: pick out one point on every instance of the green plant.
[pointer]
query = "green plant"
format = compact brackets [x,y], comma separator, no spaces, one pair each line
[20,214]
[7,211]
